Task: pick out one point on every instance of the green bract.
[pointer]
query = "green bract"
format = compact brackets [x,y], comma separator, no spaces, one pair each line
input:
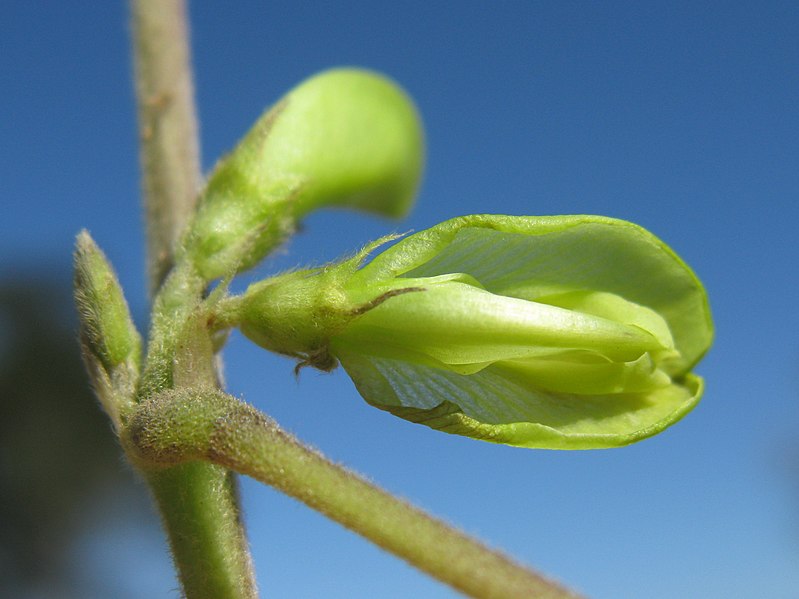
[346,137]
[569,332]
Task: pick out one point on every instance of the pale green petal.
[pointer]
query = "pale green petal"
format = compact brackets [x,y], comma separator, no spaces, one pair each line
[494,406]
[462,324]
[546,256]
[612,307]
[589,373]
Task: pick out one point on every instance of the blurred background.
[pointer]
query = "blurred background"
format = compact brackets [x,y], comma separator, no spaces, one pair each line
[680,116]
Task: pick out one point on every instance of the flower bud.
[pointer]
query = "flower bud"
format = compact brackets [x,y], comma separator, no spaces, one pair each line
[111,343]
[346,137]
[555,332]
[105,322]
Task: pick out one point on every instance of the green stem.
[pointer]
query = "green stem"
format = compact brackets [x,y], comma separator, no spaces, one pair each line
[182,426]
[198,502]
[167,126]
[199,510]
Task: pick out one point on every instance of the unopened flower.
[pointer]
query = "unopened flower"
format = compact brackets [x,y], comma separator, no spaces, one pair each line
[343,138]
[110,343]
[558,332]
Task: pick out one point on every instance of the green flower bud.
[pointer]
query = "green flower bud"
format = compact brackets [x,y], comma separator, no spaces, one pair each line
[569,332]
[105,323]
[346,137]
[111,343]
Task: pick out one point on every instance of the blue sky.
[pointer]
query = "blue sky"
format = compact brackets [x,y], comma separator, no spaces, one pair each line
[680,116]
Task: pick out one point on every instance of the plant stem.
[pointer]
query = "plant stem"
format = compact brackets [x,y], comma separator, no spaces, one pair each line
[167,126]
[182,426]
[198,502]
[199,509]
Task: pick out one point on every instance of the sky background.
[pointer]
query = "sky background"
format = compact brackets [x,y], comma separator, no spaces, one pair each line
[679,116]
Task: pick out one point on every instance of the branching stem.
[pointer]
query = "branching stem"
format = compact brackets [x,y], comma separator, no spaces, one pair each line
[185,426]
[198,502]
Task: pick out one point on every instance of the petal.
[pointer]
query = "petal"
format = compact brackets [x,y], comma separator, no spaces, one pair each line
[545,256]
[496,406]
[612,307]
[462,324]
[587,373]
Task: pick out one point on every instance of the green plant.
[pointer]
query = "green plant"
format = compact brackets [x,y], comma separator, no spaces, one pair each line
[552,332]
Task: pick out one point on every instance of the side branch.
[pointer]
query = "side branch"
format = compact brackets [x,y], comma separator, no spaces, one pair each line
[167,126]
[183,426]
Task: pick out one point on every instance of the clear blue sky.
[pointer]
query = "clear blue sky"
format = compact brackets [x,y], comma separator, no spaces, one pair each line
[680,116]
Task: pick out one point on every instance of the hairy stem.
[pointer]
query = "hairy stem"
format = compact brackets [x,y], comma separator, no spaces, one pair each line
[181,427]
[198,502]
[200,512]
[167,126]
